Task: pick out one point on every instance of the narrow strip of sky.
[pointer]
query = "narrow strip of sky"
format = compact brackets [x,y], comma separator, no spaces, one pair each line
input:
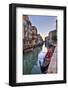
[44,24]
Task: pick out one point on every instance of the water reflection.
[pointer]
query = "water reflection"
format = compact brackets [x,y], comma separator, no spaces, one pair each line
[41,55]
[32,60]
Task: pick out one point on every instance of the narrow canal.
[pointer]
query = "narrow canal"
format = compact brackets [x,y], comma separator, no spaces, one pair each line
[32,60]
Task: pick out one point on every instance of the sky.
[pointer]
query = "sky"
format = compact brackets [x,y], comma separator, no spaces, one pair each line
[44,24]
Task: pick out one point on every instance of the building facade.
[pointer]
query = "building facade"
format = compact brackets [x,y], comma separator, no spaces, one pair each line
[30,36]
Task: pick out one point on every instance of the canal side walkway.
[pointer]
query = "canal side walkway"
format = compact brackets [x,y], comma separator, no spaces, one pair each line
[53,64]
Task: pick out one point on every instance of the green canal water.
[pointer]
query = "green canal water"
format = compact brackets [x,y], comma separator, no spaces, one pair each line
[30,59]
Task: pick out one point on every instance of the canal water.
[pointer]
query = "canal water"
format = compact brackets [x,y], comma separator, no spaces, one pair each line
[33,60]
